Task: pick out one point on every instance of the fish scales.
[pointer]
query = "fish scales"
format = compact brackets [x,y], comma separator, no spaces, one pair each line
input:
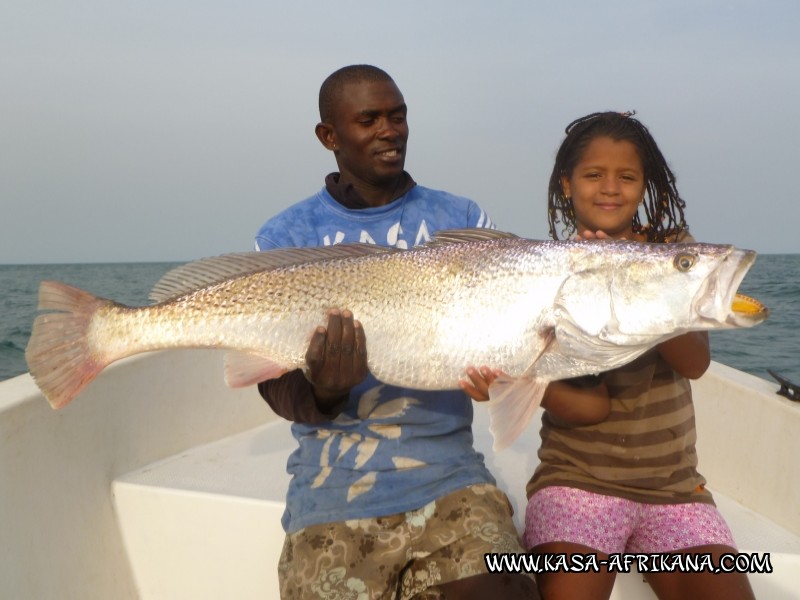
[537,310]
[274,312]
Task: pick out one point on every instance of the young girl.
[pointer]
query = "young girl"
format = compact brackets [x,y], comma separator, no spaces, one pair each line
[618,463]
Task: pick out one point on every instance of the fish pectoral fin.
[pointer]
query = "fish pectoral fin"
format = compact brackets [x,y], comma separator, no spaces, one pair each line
[514,400]
[512,404]
[243,369]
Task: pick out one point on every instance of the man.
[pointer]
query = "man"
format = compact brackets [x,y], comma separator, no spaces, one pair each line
[388,497]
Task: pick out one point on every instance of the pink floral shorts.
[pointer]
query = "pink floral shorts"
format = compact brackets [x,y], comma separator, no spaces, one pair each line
[614,525]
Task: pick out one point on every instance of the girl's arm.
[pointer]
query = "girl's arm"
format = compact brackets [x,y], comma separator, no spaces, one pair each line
[689,354]
[575,402]
[572,402]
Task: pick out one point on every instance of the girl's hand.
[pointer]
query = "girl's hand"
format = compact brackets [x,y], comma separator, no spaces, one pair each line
[593,235]
[477,387]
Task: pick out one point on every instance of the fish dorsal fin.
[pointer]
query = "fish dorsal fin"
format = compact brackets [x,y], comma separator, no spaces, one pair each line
[209,271]
[458,236]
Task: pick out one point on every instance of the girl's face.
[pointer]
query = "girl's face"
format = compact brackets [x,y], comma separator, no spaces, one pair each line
[606,185]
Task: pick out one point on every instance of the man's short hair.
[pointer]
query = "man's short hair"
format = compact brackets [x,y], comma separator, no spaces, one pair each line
[331,90]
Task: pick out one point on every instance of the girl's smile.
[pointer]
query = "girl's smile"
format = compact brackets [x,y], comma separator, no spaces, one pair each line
[606,186]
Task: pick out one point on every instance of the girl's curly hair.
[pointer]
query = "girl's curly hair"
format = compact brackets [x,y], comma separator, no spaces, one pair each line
[662,204]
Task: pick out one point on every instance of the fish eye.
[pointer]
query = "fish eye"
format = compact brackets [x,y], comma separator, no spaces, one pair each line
[684,262]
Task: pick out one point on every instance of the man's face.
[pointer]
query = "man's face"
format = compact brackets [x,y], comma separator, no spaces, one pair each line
[369,134]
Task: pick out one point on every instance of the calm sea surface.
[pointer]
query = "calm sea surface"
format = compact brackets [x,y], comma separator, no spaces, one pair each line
[774,280]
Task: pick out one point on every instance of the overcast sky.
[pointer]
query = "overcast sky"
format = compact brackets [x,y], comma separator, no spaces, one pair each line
[170,130]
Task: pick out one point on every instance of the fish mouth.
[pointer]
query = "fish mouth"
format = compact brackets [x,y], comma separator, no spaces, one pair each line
[745,305]
[723,303]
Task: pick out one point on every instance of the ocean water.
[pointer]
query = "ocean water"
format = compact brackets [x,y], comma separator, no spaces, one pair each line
[128,283]
[774,280]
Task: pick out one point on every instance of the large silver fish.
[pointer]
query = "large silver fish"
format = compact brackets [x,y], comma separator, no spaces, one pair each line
[537,310]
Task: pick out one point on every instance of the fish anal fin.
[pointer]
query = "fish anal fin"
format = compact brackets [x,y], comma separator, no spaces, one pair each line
[244,369]
[512,404]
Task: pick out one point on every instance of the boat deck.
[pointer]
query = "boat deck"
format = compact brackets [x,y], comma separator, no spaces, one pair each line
[232,491]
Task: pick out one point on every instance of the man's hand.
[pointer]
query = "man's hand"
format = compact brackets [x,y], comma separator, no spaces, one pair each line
[336,357]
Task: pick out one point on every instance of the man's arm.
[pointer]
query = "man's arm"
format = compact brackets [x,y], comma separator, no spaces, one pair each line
[291,396]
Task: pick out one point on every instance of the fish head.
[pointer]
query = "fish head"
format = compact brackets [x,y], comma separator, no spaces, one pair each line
[635,294]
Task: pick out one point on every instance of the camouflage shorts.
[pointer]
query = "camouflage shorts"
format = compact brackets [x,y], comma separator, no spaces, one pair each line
[403,556]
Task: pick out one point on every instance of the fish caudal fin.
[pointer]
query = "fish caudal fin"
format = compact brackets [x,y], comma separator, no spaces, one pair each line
[512,404]
[58,354]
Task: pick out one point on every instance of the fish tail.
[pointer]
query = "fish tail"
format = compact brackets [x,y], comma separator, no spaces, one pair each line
[58,354]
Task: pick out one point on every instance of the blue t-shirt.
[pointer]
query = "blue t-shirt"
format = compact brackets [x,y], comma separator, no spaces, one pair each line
[392,449]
